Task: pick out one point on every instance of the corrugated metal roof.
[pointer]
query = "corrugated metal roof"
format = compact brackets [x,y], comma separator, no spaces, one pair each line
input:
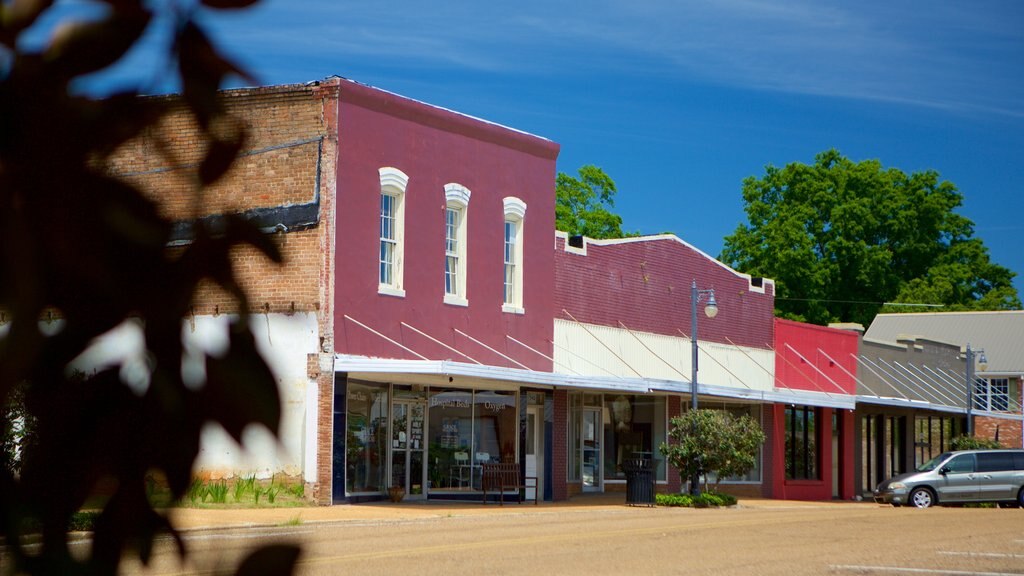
[999,334]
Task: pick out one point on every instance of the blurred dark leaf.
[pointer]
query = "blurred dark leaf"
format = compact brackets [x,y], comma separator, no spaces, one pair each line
[240,388]
[226,4]
[203,70]
[112,121]
[81,245]
[273,560]
[219,157]
[19,15]
[84,47]
[241,231]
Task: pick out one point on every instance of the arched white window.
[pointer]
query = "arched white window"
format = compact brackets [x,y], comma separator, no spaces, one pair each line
[393,183]
[515,212]
[455,265]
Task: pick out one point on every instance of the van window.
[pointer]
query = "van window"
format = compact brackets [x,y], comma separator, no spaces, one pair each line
[1018,460]
[961,464]
[995,461]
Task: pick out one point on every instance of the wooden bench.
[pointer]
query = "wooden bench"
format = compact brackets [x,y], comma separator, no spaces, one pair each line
[497,478]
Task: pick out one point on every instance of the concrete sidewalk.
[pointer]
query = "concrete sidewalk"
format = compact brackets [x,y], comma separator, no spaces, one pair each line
[188,519]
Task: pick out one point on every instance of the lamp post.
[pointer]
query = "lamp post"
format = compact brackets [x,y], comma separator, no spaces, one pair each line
[711,309]
[982,363]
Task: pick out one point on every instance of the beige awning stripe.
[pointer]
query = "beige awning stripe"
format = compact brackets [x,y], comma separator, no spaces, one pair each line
[724,367]
[571,353]
[655,354]
[601,342]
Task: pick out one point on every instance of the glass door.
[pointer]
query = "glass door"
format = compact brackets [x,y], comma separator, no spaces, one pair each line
[590,449]
[408,448]
[535,450]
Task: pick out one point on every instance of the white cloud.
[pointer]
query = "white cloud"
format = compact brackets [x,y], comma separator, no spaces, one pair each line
[965,56]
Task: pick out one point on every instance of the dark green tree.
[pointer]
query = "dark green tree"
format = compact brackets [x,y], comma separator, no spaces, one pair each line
[582,205]
[81,252]
[715,442]
[841,237]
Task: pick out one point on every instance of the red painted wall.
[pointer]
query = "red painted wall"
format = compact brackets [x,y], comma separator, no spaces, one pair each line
[821,488]
[814,358]
[799,349]
[645,284]
[435,147]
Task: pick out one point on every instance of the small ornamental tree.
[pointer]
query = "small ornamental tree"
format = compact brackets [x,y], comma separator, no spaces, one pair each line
[713,441]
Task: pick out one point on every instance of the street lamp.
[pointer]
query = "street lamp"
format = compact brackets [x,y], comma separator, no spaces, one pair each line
[711,309]
[982,363]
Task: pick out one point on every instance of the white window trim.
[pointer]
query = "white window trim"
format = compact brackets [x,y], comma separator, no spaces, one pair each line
[515,211]
[457,198]
[394,182]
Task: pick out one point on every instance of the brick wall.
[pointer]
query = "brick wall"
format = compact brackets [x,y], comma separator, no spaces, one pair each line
[645,284]
[278,167]
[1009,430]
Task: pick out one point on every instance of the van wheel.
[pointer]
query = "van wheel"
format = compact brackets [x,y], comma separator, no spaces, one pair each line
[922,498]
[1020,498]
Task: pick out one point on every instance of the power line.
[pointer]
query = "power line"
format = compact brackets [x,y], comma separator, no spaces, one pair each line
[861,302]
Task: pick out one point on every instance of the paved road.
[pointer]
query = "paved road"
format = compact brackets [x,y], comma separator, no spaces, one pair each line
[778,538]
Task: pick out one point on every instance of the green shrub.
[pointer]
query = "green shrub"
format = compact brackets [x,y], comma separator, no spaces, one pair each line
[704,500]
[83,521]
[973,443]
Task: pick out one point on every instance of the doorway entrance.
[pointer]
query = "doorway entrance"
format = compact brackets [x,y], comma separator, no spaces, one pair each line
[590,449]
[408,449]
[535,450]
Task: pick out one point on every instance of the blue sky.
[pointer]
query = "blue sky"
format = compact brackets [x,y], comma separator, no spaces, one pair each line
[679,100]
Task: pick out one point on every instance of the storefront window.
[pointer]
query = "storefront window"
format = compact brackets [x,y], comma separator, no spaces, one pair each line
[367,438]
[801,443]
[450,435]
[495,426]
[467,429]
[634,426]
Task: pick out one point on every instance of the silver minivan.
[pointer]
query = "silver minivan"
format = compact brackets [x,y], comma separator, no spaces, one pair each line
[959,477]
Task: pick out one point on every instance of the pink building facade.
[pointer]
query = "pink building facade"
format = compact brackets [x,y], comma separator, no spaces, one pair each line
[443,299]
[623,326]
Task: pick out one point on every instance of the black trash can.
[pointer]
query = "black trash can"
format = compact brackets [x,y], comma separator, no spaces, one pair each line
[639,481]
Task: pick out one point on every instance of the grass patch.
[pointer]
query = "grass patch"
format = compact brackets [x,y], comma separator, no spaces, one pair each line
[245,492]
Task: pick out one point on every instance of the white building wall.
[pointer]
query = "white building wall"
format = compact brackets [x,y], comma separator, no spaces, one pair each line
[590,350]
[285,341]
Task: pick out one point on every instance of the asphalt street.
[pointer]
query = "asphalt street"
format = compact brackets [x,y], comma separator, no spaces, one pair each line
[603,536]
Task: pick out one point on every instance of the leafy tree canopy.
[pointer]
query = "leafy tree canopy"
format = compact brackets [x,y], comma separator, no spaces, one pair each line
[842,237]
[582,205]
[708,441]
